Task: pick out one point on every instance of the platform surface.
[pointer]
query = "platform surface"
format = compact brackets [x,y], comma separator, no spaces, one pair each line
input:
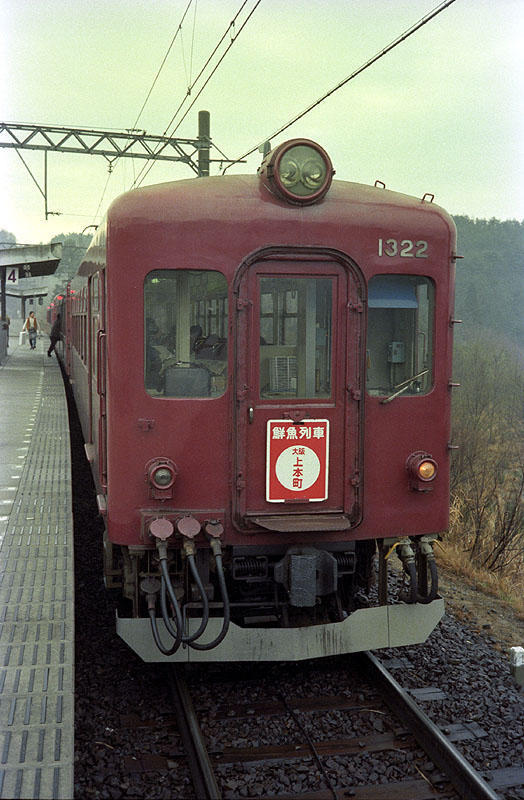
[36,578]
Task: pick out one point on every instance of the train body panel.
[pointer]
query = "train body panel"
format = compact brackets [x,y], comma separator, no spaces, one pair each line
[201,437]
[270,375]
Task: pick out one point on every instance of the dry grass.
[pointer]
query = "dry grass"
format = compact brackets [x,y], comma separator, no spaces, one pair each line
[487,508]
[508,588]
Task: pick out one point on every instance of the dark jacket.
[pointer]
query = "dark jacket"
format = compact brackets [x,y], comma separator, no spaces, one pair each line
[55,330]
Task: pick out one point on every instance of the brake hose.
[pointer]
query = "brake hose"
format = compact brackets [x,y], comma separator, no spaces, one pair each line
[167,651]
[411,569]
[168,586]
[433,571]
[150,587]
[215,546]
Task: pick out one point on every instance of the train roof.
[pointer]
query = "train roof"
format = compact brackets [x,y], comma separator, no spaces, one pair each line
[221,196]
[207,204]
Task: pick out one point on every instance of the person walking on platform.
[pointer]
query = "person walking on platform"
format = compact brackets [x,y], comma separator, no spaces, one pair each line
[31,326]
[54,335]
[4,323]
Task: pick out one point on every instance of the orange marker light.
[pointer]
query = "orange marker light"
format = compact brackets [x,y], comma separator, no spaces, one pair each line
[427,470]
[422,470]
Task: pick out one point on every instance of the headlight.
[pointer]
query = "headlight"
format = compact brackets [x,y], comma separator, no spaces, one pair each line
[162,477]
[299,171]
[161,474]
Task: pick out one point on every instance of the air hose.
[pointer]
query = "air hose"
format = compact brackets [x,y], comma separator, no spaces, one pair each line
[433,571]
[190,552]
[411,569]
[217,552]
[407,556]
[151,586]
[167,651]
[167,587]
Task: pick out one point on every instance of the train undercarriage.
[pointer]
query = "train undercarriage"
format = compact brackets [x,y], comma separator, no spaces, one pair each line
[193,596]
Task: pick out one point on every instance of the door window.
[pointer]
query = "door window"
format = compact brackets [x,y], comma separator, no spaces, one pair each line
[295,337]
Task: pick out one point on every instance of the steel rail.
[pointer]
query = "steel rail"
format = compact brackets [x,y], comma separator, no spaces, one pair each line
[202,774]
[467,781]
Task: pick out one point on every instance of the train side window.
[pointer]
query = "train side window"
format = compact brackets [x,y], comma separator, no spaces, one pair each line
[295,337]
[185,330]
[399,355]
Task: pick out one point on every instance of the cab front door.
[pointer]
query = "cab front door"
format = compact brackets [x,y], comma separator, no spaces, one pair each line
[298,328]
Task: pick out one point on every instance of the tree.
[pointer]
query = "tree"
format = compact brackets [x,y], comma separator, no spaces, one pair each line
[487,477]
[7,239]
[74,246]
[490,278]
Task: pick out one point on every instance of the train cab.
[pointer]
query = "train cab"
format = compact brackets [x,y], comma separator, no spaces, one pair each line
[268,379]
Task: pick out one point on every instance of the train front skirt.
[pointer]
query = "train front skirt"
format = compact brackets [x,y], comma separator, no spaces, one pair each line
[365,629]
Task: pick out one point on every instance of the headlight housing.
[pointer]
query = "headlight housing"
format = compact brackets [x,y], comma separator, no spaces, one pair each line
[299,171]
[422,471]
[161,474]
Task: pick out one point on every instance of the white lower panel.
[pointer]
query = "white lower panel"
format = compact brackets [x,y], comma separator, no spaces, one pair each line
[365,629]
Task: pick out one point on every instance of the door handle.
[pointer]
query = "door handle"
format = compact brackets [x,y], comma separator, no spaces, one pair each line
[250,414]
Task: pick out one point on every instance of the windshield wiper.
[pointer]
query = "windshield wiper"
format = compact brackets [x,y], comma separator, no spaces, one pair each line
[402,387]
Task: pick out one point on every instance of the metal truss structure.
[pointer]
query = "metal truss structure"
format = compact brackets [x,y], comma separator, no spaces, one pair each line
[112,145]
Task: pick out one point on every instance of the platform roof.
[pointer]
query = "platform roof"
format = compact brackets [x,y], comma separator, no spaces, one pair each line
[32,260]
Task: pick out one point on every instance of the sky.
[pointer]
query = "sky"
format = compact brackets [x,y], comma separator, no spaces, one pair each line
[441,113]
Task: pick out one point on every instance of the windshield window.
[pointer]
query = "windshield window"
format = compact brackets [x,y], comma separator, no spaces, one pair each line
[399,355]
[295,337]
[185,333]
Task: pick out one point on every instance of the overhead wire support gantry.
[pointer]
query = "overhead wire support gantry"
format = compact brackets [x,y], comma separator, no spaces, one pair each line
[110,144]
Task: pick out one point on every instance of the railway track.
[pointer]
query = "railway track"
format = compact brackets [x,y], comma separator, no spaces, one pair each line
[329,731]
[128,744]
[413,729]
[200,764]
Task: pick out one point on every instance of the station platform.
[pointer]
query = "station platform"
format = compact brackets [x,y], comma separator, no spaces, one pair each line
[36,578]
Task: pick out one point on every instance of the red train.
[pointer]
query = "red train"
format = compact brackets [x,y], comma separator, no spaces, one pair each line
[262,367]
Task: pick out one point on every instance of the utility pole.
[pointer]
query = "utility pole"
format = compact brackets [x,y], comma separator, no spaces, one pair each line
[203,143]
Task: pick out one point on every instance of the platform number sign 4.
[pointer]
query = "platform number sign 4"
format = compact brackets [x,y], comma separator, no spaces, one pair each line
[12,276]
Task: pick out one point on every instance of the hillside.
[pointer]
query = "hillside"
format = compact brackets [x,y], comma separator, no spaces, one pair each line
[490,279]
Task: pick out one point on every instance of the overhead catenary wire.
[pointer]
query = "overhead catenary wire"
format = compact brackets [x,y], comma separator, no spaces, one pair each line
[103,194]
[402,38]
[190,73]
[203,69]
[141,176]
[146,169]
[173,40]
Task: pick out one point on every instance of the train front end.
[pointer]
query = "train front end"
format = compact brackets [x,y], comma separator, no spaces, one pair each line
[276,396]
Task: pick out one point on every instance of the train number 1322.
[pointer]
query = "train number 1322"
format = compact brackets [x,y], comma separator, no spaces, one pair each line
[405,248]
